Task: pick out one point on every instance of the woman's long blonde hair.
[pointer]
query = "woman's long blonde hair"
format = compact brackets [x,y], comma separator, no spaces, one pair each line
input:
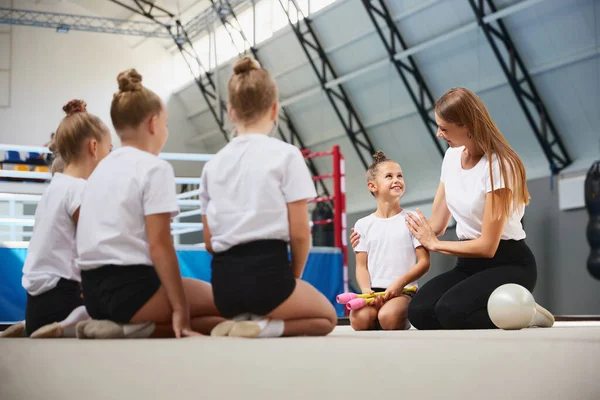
[464,108]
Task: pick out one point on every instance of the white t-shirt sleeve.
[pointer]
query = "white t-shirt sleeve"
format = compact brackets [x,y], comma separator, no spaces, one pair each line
[496,174]
[413,239]
[445,164]
[361,247]
[415,242]
[297,183]
[204,197]
[159,194]
[75,196]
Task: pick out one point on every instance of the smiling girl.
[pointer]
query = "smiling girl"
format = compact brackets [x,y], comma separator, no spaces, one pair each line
[388,257]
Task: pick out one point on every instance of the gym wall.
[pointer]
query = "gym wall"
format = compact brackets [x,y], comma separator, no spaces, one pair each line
[41,70]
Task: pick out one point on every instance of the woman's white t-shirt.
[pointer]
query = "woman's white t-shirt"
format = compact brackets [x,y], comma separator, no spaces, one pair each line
[246,186]
[466,192]
[390,248]
[126,187]
[52,249]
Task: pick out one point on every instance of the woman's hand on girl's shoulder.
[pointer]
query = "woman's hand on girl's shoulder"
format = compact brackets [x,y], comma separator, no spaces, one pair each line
[419,227]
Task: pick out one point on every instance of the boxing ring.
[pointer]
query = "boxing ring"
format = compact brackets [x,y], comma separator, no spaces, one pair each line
[21,190]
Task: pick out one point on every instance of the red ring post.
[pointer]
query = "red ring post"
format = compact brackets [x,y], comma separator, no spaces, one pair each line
[339,204]
[339,209]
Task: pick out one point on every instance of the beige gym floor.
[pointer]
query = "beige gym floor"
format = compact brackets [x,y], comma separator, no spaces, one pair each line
[562,362]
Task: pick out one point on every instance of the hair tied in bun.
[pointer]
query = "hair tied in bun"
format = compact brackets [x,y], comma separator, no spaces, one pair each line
[129,81]
[75,106]
[245,65]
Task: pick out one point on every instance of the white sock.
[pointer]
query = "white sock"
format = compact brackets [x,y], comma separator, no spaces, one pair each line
[78,314]
[68,324]
[270,327]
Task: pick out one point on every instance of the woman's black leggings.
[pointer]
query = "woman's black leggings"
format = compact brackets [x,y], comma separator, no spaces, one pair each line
[457,299]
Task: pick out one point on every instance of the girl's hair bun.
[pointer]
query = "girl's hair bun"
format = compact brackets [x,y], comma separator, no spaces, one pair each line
[380,157]
[129,81]
[245,65]
[74,106]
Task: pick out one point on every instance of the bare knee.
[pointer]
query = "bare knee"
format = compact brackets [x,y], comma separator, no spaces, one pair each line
[394,323]
[332,316]
[361,324]
[392,319]
[362,320]
[330,319]
[329,326]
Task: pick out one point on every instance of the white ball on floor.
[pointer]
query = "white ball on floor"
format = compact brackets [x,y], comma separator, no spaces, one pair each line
[511,306]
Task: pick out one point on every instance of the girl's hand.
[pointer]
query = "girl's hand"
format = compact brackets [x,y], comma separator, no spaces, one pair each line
[354,238]
[421,230]
[377,302]
[181,324]
[394,290]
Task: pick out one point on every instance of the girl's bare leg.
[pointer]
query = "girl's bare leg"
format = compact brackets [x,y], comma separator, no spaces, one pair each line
[393,315]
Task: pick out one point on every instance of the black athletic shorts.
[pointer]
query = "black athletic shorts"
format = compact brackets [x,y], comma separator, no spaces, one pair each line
[378,290]
[53,305]
[117,292]
[254,277]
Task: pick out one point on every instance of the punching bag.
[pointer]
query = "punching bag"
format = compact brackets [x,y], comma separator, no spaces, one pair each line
[592,203]
[322,234]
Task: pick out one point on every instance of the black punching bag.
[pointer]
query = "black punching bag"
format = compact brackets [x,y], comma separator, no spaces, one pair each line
[592,203]
[323,234]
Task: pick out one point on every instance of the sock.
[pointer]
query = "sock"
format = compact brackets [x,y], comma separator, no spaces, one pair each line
[271,327]
[68,324]
[78,314]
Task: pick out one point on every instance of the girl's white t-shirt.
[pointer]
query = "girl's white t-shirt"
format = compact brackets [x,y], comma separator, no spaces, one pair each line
[390,248]
[126,187]
[52,248]
[466,192]
[246,186]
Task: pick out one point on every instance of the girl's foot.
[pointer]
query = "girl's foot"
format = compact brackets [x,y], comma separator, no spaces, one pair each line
[14,331]
[224,327]
[65,328]
[258,328]
[104,329]
[49,331]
